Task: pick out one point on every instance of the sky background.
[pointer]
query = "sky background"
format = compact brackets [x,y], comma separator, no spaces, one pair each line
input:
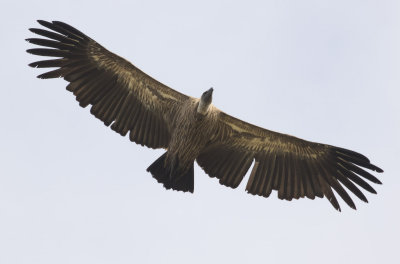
[74,191]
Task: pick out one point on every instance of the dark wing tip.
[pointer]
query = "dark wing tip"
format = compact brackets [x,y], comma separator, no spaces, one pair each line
[33,65]
[364,199]
[42,76]
[30,51]
[377,169]
[43,22]
[377,181]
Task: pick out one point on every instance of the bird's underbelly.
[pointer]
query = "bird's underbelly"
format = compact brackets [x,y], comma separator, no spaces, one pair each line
[188,141]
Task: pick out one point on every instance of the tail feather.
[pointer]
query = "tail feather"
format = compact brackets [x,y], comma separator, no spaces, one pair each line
[170,176]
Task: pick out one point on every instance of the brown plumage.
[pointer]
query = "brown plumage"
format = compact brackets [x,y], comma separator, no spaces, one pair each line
[156,116]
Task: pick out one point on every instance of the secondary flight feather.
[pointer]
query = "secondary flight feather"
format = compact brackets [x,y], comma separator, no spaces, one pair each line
[192,129]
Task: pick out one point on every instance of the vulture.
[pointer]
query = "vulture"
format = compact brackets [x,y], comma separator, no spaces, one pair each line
[192,129]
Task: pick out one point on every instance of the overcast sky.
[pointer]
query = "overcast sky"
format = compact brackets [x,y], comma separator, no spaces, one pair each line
[74,191]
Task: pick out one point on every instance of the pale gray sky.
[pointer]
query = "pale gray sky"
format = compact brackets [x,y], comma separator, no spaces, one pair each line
[73,191]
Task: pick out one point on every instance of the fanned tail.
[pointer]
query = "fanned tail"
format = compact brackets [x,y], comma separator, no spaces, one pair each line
[169,175]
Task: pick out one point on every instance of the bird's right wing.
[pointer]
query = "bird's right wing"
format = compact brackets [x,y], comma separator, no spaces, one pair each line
[294,167]
[121,95]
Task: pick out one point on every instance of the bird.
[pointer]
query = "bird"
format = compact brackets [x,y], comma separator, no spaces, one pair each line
[193,130]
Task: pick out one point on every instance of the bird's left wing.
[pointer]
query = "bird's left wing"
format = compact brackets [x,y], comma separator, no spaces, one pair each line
[121,95]
[294,167]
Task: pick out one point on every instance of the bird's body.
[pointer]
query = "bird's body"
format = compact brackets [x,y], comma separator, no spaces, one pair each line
[191,129]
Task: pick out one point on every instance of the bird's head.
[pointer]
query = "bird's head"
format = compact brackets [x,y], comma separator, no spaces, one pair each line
[206,97]
[205,101]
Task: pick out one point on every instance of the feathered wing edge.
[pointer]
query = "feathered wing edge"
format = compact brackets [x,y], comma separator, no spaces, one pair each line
[120,94]
[295,168]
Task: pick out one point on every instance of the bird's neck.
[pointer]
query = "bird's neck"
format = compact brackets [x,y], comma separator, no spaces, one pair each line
[202,108]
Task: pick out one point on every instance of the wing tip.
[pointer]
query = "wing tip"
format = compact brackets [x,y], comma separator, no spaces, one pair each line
[378,181]
[43,22]
[30,51]
[34,30]
[353,206]
[377,169]
[49,75]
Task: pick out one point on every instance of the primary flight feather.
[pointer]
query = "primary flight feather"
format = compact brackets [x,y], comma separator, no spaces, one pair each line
[192,129]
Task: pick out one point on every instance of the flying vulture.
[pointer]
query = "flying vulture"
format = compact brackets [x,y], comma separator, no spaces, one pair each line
[192,129]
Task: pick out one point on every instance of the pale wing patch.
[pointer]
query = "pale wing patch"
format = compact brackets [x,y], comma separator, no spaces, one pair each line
[266,141]
[133,78]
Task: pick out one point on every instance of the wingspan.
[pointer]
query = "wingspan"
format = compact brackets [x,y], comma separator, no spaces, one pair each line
[294,167]
[121,95]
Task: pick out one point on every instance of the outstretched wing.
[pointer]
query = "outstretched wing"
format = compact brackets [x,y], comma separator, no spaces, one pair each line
[121,95]
[294,167]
